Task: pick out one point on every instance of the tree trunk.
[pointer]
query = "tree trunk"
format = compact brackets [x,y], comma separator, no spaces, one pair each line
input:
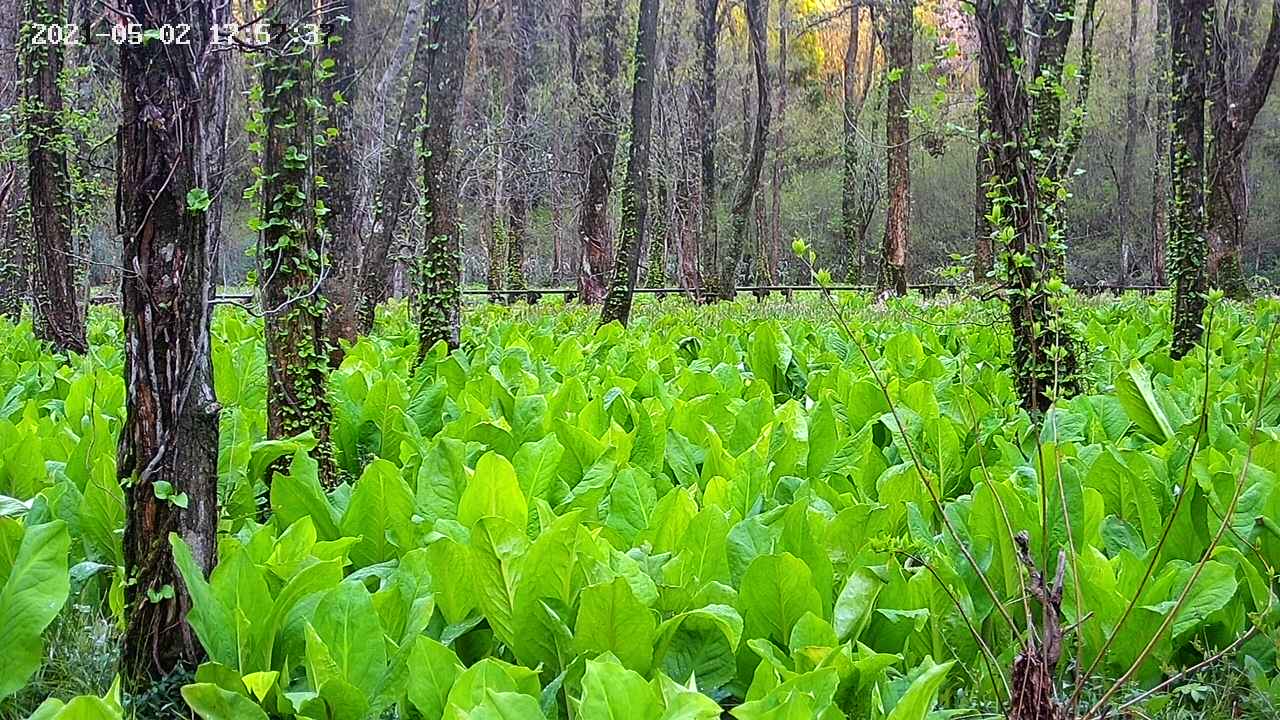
[773,250]
[291,251]
[496,230]
[710,258]
[1237,99]
[522,41]
[635,193]
[393,188]
[440,294]
[13,256]
[853,102]
[170,437]
[59,318]
[1187,247]
[1124,186]
[1160,133]
[757,14]
[897,222]
[599,141]
[1044,357]
[388,89]
[340,193]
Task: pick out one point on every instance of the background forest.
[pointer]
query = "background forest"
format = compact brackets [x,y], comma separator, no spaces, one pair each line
[562,144]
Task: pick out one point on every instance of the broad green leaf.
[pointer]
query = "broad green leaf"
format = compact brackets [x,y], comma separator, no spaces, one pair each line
[611,619]
[776,591]
[211,702]
[612,692]
[916,702]
[31,597]
[493,491]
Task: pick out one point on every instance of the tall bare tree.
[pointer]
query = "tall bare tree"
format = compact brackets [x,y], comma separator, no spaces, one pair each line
[394,184]
[635,192]
[170,127]
[1188,249]
[711,254]
[599,108]
[440,294]
[749,184]
[338,162]
[522,32]
[771,251]
[58,314]
[1238,95]
[1128,157]
[13,195]
[897,221]
[1160,136]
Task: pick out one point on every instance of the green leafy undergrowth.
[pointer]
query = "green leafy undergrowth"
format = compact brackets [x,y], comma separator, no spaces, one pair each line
[715,509]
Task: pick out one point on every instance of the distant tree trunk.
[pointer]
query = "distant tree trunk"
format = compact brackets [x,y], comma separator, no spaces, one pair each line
[496,230]
[521,47]
[393,187]
[599,143]
[1124,186]
[1043,350]
[1188,253]
[290,250]
[710,258]
[59,319]
[853,102]
[1160,133]
[659,234]
[13,196]
[688,198]
[983,254]
[635,193]
[388,89]
[440,294]
[757,14]
[170,435]
[1237,99]
[897,223]
[340,193]
[772,251]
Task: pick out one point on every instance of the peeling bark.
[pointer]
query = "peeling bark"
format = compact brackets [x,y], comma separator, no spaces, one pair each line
[170,119]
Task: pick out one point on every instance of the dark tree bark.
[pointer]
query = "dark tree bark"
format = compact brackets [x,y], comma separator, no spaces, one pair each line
[983,252]
[440,293]
[59,318]
[757,14]
[1188,250]
[598,144]
[635,193]
[338,163]
[1124,185]
[13,196]
[170,104]
[1237,99]
[393,188]
[1043,350]
[853,102]
[523,37]
[291,252]
[1160,136]
[771,251]
[496,231]
[897,221]
[710,260]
